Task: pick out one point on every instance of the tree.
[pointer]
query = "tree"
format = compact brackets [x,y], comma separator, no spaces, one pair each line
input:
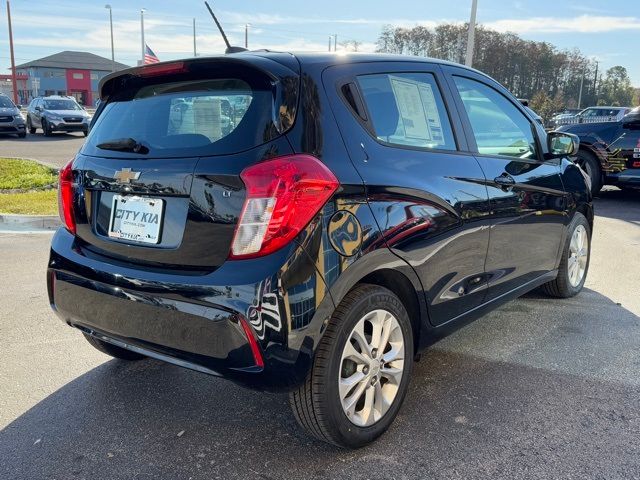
[525,67]
[636,97]
[545,105]
[616,87]
[351,45]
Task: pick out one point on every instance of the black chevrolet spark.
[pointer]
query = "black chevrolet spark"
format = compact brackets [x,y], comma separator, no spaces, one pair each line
[310,222]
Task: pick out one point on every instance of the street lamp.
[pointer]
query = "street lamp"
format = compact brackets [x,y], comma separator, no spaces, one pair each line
[113,56]
[246,35]
[471,39]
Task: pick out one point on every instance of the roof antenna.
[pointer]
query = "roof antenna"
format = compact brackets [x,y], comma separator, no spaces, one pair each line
[229,49]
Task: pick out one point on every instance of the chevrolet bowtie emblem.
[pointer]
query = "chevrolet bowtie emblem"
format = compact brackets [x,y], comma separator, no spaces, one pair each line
[126,175]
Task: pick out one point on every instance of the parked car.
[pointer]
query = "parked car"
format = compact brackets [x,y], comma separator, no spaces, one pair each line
[11,120]
[57,114]
[610,151]
[592,115]
[362,207]
[557,118]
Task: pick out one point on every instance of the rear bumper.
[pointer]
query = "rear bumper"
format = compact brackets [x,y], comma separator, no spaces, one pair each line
[629,177]
[194,320]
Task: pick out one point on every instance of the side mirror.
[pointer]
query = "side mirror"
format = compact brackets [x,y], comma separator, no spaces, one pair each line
[38,109]
[18,107]
[562,144]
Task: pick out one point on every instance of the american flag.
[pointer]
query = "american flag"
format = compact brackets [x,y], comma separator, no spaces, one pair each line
[149,56]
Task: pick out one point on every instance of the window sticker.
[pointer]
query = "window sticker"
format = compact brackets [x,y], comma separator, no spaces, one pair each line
[418,110]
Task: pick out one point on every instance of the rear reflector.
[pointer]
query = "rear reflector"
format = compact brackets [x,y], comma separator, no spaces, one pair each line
[65,197]
[156,69]
[253,343]
[636,164]
[283,196]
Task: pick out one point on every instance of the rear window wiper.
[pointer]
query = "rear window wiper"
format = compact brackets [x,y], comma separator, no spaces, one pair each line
[124,145]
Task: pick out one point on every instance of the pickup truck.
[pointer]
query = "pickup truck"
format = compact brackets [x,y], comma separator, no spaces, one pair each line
[610,151]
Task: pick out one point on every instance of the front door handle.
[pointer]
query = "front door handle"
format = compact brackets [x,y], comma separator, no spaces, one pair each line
[505,180]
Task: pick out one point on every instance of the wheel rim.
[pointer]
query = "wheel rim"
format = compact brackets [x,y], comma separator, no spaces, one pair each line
[371,368]
[578,255]
[586,167]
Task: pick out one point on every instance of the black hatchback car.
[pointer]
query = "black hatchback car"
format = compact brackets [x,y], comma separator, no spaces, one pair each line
[359,208]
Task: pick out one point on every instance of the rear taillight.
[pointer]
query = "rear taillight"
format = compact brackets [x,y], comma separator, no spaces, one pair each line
[283,196]
[156,69]
[65,197]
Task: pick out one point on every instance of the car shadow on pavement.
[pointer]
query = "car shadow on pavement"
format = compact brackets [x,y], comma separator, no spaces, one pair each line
[55,136]
[618,204]
[540,388]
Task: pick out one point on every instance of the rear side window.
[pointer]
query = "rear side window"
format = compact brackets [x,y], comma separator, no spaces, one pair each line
[499,127]
[407,109]
[189,118]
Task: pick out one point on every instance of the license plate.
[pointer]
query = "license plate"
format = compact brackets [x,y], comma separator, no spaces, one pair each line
[136,219]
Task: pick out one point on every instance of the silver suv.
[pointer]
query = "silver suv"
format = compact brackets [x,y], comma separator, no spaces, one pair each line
[11,120]
[57,114]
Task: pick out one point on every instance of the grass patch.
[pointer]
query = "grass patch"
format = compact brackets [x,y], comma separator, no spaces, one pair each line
[24,174]
[44,202]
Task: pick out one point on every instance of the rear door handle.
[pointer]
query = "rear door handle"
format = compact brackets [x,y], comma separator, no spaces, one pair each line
[505,180]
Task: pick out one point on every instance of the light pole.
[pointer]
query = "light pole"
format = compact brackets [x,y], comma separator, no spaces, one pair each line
[14,80]
[142,34]
[113,55]
[581,85]
[246,35]
[195,53]
[472,33]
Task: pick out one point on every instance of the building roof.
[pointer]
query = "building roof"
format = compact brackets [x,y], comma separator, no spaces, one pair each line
[71,59]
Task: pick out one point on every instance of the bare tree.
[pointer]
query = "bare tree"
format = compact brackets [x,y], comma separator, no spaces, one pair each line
[525,67]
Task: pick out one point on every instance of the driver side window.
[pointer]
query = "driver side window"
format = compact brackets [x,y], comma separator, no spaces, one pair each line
[498,126]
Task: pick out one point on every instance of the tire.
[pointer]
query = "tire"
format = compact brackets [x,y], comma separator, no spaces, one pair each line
[113,350]
[45,128]
[317,404]
[30,126]
[22,135]
[590,164]
[85,132]
[564,285]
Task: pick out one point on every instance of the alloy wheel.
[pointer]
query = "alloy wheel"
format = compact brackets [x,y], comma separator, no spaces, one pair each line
[371,368]
[578,255]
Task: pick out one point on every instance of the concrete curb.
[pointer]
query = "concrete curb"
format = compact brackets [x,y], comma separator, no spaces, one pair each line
[28,223]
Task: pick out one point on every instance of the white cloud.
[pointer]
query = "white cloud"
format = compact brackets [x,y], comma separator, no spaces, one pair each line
[580,24]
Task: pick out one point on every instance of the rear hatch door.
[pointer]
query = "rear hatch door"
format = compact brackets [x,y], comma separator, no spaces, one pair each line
[160,171]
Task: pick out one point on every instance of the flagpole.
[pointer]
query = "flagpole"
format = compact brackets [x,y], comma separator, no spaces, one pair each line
[142,34]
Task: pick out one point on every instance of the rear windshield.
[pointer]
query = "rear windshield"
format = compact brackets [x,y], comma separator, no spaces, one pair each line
[188,118]
[61,105]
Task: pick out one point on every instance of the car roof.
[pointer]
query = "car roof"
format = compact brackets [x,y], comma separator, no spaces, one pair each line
[295,61]
[606,106]
[327,59]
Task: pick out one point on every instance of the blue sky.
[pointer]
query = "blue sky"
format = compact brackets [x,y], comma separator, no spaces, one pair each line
[608,31]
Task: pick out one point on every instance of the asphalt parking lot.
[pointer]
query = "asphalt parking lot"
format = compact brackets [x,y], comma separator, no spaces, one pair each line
[55,150]
[540,388]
